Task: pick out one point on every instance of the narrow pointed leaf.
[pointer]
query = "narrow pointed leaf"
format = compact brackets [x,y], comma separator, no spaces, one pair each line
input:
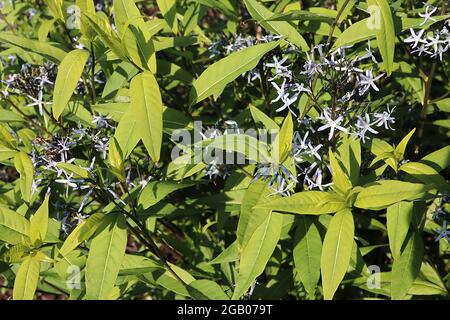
[169,10]
[386,192]
[336,252]
[24,166]
[39,223]
[146,101]
[42,48]
[27,279]
[250,219]
[257,252]
[125,12]
[105,257]
[261,14]
[204,289]
[69,74]
[307,252]
[14,228]
[383,23]
[81,233]
[399,217]
[214,79]
[306,202]
[340,179]
[407,267]
[426,174]
[282,145]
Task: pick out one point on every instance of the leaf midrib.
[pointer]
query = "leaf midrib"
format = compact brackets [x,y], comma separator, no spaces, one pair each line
[214,84]
[108,256]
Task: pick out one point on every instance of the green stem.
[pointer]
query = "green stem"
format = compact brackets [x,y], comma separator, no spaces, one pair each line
[145,238]
[94,98]
[428,83]
[335,23]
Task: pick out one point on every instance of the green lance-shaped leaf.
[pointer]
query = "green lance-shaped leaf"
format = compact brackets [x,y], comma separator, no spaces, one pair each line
[282,145]
[14,228]
[55,7]
[336,251]
[86,6]
[261,118]
[229,254]
[340,179]
[103,29]
[127,132]
[135,35]
[261,14]
[214,79]
[105,256]
[155,191]
[247,145]
[204,289]
[146,101]
[346,8]
[69,74]
[250,218]
[443,105]
[27,278]
[425,174]
[137,264]
[139,47]
[81,233]
[6,153]
[257,252]
[407,267]
[359,31]
[39,224]
[306,202]
[191,18]
[399,217]
[307,252]
[350,157]
[115,159]
[224,6]
[401,147]
[439,159]
[169,10]
[383,23]
[125,12]
[9,116]
[363,30]
[382,194]
[41,48]
[122,73]
[16,253]
[24,167]
[78,171]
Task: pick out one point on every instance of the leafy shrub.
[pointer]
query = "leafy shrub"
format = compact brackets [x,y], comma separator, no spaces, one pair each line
[224,149]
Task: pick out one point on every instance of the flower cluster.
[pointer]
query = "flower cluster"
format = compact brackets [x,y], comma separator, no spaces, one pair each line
[341,76]
[281,180]
[440,216]
[215,166]
[31,82]
[59,160]
[305,151]
[434,43]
